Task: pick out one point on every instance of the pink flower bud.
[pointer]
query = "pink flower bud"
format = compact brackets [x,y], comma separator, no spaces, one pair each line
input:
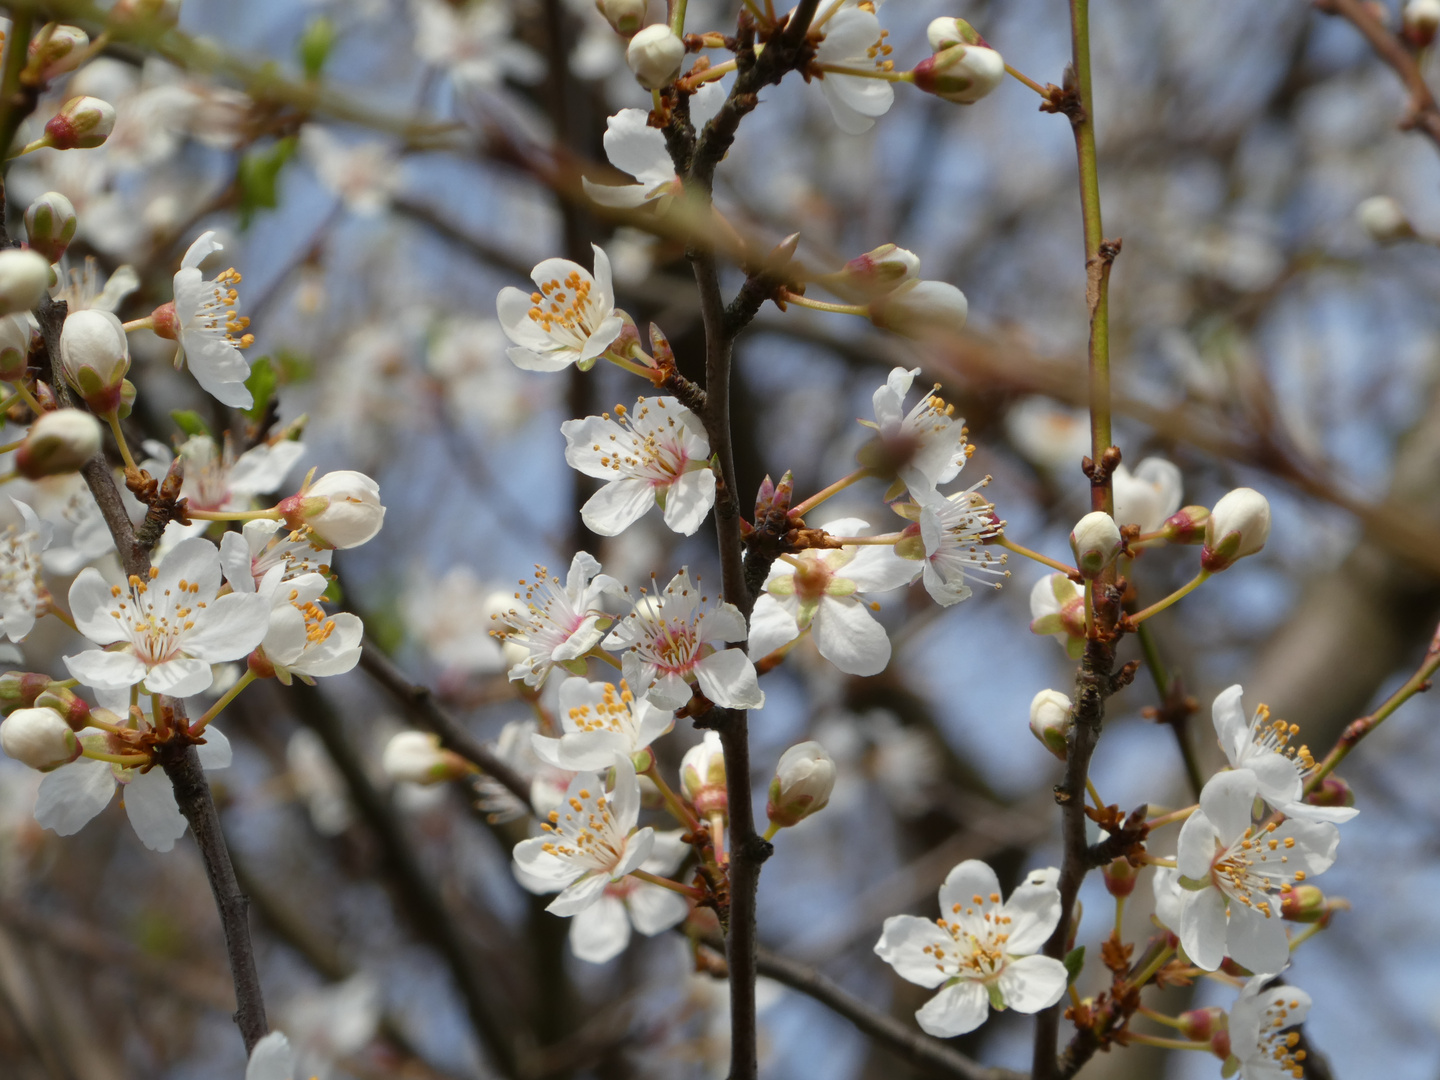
[804,778]
[39,738]
[1332,792]
[1201,1025]
[919,309]
[58,442]
[341,508]
[14,347]
[19,689]
[1186,525]
[702,775]
[82,123]
[73,709]
[419,758]
[1238,526]
[24,279]
[876,273]
[624,16]
[655,55]
[1120,877]
[1050,720]
[61,52]
[962,73]
[50,225]
[1303,904]
[1095,541]
[95,355]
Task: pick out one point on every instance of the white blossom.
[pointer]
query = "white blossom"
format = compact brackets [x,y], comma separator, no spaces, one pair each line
[657,453]
[633,146]
[1259,1029]
[1147,496]
[209,327]
[1057,608]
[981,952]
[262,545]
[599,721]
[557,624]
[21,566]
[364,176]
[925,447]
[954,530]
[570,318]
[473,43]
[853,39]
[602,931]
[303,639]
[676,637]
[342,509]
[825,589]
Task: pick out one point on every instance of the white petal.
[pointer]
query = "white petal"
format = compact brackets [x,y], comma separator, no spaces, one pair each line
[617,506]
[772,624]
[655,910]
[1231,725]
[1227,800]
[1202,927]
[204,246]
[1195,848]
[73,794]
[107,670]
[689,500]
[1034,910]
[849,637]
[214,752]
[955,1010]
[633,146]
[90,605]
[728,678]
[1032,983]
[879,569]
[233,625]
[600,932]
[150,805]
[580,894]
[180,677]
[272,1059]
[1255,942]
[902,945]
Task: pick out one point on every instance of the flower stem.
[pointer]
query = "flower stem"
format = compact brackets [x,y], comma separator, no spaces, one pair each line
[710,74]
[677,17]
[1184,591]
[1090,787]
[230,695]
[717,836]
[1156,860]
[11,445]
[825,493]
[1031,83]
[867,73]
[629,365]
[1306,934]
[666,883]
[1157,962]
[1168,1044]
[52,608]
[235,515]
[1158,1017]
[774,828]
[673,801]
[883,540]
[147,323]
[1172,817]
[862,310]
[113,419]
[129,761]
[23,392]
[1045,560]
[600,654]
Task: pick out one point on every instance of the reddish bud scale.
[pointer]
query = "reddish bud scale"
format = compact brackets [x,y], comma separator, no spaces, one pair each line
[1303,903]
[1220,1045]
[19,689]
[926,77]
[260,665]
[167,324]
[1201,1025]
[710,799]
[1120,877]
[1332,792]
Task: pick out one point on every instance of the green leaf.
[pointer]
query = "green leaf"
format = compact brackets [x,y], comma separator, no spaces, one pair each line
[1074,961]
[261,384]
[189,422]
[315,45]
[258,175]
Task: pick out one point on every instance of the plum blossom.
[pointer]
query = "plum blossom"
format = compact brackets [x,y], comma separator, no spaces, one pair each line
[954,530]
[302,638]
[364,176]
[923,448]
[980,952]
[1260,745]
[598,722]
[210,331]
[824,589]
[217,479]
[473,43]
[656,454]
[633,146]
[1057,608]
[1147,496]
[853,39]
[272,1059]
[602,931]
[670,640]
[262,545]
[1048,434]
[451,617]
[21,564]
[557,625]
[170,629]
[1233,870]
[591,842]
[79,534]
[570,318]
[1261,1042]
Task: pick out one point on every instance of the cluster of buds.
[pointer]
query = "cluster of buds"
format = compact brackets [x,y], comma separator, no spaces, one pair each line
[964,68]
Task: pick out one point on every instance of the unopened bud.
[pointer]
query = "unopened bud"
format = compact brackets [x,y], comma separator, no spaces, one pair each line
[74,709]
[920,309]
[342,509]
[1095,541]
[1238,526]
[1332,791]
[39,738]
[655,55]
[162,12]
[803,780]
[62,51]
[24,279]
[1303,903]
[1186,525]
[50,225]
[95,355]
[624,16]
[962,73]
[14,347]
[1200,1025]
[1220,1047]
[1120,877]
[1384,219]
[1419,21]
[58,442]
[1057,607]
[702,775]
[19,689]
[1050,720]
[81,123]
[419,758]
[946,32]
[877,273]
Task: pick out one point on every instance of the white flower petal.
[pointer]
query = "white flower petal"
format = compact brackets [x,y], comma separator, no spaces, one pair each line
[73,794]
[150,805]
[955,1010]
[600,932]
[1032,983]
[902,945]
[849,637]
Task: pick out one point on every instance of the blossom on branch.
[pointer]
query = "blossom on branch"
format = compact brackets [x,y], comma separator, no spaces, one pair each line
[558,624]
[1147,496]
[981,952]
[923,448]
[21,582]
[853,39]
[1259,1029]
[204,320]
[656,454]
[598,722]
[570,318]
[954,530]
[602,931]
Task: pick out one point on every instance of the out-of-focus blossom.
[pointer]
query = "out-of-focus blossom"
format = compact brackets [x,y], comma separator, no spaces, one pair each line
[1149,495]
[21,563]
[1049,434]
[364,176]
[473,42]
[452,617]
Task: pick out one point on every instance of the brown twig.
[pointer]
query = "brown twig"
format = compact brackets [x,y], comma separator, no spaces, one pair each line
[1422,113]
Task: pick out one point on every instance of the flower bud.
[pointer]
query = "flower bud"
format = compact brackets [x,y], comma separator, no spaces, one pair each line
[624,16]
[1419,20]
[1120,877]
[63,51]
[24,278]
[1238,526]
[702,775]
[14,347]
[1220,1047]
[654,55]
[341,508]
[1332,792]
[39,738]
[1303,904]
[95,355]
[944,33]
[50,225]
[877,273]
[82,123]
[419,758]
[922,309]
[803,780]
[1200,1025]
[19,689]
[1057,607]
[162,12]
[1186,525]
[962,73]
[1383,219]
[58,442]
[1050,720]
[1095,541]
[73,709]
